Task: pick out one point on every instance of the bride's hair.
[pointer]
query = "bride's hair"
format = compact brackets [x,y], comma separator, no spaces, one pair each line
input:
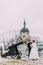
[33,41]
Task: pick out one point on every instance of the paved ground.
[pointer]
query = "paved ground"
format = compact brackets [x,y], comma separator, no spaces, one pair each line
[4,61]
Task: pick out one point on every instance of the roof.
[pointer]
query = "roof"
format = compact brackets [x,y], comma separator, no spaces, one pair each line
[24,29]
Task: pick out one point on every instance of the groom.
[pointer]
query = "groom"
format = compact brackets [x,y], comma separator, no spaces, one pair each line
[29,48]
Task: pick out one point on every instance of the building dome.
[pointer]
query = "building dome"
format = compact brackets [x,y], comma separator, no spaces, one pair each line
[24,29]
[24,33]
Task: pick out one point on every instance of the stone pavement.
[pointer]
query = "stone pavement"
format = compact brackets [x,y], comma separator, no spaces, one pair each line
[4,61]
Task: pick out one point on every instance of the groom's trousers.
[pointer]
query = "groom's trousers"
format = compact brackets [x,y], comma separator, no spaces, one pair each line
[29,48]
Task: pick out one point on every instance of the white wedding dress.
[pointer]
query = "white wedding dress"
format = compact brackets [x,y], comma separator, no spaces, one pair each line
[34,52]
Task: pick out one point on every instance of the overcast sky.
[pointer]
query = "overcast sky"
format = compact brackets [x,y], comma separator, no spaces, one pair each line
[13,13]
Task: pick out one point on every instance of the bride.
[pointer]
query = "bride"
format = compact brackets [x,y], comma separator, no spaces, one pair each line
[34,51]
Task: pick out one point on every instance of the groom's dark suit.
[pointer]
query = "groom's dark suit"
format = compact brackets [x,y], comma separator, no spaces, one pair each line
[29,48]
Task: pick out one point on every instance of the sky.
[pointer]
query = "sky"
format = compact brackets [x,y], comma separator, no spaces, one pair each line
[13,13]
